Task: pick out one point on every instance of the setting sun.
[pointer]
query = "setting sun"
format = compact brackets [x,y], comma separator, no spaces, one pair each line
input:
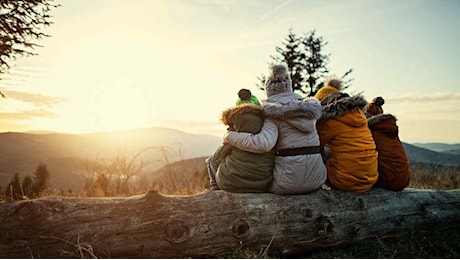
[121,106]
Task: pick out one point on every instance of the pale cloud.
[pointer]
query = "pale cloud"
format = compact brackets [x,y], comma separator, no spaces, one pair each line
[34,98]
[19,109]
[13,82]
[22,121]
[435,97]
[436,106]
[26,115]
[8,125]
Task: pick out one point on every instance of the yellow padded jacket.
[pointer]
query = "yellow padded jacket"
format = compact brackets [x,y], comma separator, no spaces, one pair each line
[352,163]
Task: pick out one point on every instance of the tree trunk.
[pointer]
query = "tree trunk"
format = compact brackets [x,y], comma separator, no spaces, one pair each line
[215,223]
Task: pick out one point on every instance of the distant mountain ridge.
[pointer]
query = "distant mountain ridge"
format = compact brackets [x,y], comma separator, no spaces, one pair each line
[423,155]
[440,147]
[67,155]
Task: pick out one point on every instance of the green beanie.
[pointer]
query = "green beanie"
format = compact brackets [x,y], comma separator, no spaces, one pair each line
[251,101]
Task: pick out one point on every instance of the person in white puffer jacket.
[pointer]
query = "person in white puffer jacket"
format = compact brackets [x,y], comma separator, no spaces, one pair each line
[290,125]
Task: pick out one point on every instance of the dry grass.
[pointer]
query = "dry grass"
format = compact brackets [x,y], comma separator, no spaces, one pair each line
[418,244]
[434,176]
[185,177]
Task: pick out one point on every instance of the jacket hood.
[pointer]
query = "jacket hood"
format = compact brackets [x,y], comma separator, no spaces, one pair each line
[373,120]
[229,115]
[337,104]
[292,106]
[384,123]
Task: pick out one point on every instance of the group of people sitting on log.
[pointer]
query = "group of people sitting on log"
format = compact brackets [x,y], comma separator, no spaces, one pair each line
[295,145]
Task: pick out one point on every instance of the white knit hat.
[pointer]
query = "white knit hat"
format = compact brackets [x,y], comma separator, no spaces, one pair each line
[279,80]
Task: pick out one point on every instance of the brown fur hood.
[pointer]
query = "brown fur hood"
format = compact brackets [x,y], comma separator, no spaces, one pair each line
[373,120]
[337,104]
[229,115]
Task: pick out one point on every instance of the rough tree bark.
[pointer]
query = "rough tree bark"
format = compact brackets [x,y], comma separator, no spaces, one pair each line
[214,223]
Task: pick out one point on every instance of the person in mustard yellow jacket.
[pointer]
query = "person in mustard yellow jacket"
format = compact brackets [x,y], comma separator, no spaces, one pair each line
[394,171]
[352,163]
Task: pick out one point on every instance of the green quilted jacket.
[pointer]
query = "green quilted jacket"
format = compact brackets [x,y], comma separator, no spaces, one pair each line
[242,171]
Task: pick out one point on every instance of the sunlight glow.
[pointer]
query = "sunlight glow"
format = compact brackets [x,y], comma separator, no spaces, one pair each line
[118,107]
[112,65]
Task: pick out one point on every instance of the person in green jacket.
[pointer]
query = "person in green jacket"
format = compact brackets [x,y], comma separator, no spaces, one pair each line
[235,170]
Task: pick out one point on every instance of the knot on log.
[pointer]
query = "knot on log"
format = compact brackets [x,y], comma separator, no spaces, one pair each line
[308,213]
[29,209]
[361,203]
[324,225]
[240,229]
[356,229]
[423,207]
[177,231]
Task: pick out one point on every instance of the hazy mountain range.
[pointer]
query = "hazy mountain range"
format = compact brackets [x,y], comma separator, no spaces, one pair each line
[417,153]
[440,147]
[67,156]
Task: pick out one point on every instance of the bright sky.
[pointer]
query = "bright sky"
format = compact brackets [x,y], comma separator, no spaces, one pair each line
[117,64]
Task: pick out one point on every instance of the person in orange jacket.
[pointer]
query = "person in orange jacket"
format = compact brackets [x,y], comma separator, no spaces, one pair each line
[353,159]
[393,165]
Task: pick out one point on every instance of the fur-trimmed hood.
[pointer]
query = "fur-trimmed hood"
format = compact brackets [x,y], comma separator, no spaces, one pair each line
[290,105]
[373,120]
[383,123]
[229,115]
[337,104]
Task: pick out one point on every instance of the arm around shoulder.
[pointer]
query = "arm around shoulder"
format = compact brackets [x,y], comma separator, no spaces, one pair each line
[262,142]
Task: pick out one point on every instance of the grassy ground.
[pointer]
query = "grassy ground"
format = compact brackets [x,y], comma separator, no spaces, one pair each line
[439,244]
[419,244]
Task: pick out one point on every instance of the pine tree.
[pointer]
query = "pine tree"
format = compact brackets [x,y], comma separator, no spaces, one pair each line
[315,62]
[27,186]
[306,61]
[292,57]
[41,180]
[13,190]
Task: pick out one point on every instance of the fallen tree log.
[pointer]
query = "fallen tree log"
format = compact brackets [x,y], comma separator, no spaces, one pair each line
[215,223]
